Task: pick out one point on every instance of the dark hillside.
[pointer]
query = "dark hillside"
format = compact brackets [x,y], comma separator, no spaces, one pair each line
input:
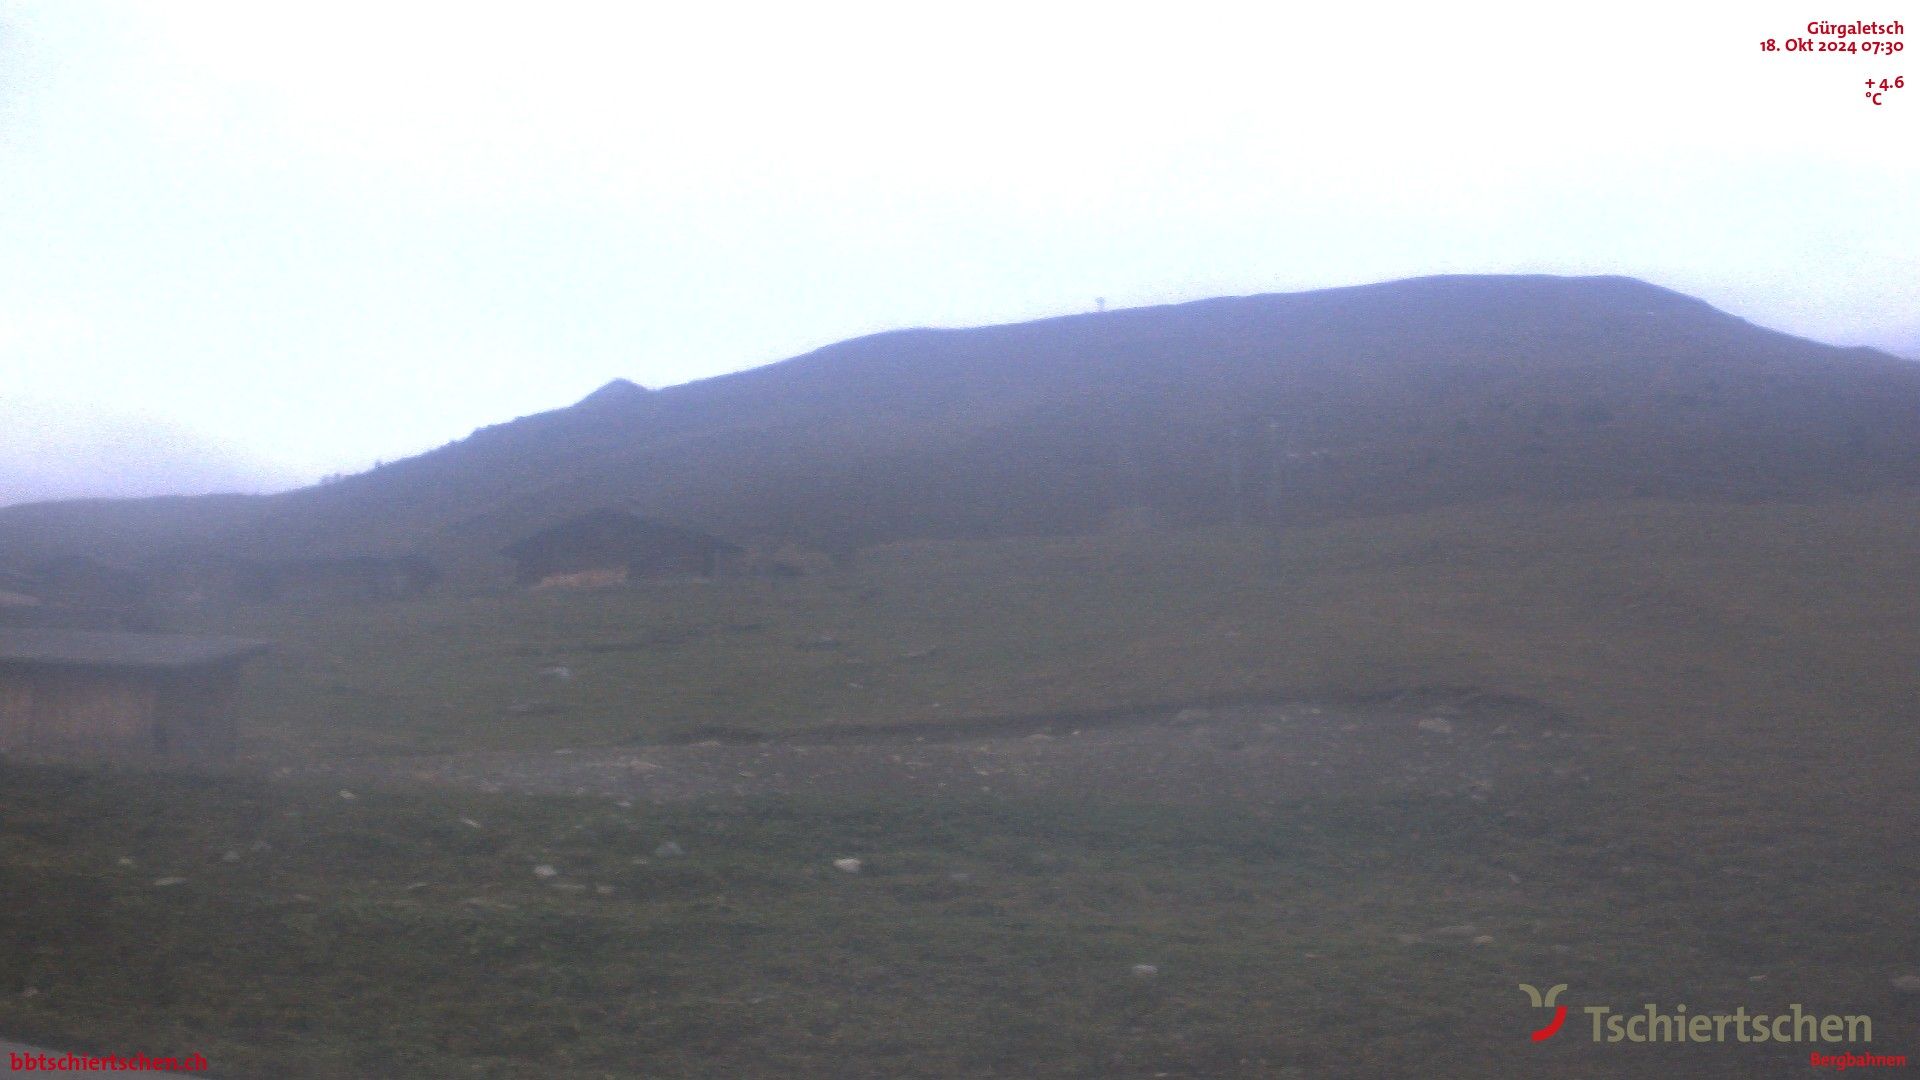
[1295,407]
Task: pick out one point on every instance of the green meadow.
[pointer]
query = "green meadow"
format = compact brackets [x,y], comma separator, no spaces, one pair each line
[1741,679]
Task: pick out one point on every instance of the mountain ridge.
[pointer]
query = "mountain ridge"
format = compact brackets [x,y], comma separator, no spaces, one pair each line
[1268,407]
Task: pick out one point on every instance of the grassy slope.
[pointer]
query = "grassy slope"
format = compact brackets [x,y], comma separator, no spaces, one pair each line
[383,936]
[1679,625]
[1746,672]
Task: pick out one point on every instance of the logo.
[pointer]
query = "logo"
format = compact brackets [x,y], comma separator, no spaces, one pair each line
[1539,1002]
[1652,1024]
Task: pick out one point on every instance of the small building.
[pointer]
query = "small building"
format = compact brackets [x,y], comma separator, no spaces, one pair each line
[608,547]
[107,693]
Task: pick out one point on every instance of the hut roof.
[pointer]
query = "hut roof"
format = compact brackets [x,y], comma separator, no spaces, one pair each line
[120,649]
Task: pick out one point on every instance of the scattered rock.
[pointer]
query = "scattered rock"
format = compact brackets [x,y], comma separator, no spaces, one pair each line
[124,860]
[557,672]
[603,890]
[545,870]
[850,866]
[669,850]
[569,886]
[231,856]
[1461,930]
[1437,725]
[1146,971]
[960,877]
[1408,939]
[166,881]
[469,823]
[1756,978]
[1909,983]
[348,795]
[1191,716]
[1483,939]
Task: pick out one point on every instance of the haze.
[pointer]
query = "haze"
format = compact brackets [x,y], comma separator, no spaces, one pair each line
[243,246]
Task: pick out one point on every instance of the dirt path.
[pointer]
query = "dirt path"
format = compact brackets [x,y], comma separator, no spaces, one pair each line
[1467,748]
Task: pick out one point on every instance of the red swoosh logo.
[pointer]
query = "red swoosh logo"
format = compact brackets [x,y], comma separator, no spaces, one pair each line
[1548,1032]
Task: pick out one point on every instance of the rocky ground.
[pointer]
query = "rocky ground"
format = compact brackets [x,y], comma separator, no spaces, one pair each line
[1460,745]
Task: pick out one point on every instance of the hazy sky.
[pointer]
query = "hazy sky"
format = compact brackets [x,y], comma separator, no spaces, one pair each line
[254,243]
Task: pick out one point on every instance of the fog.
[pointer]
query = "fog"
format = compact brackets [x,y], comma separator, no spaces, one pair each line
[322,241]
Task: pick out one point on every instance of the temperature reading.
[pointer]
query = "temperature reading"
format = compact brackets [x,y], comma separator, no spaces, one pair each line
[1878,89]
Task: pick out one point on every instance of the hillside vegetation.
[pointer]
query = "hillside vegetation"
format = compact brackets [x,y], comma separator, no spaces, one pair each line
[1260,687]
[1654,620]
[1733,683]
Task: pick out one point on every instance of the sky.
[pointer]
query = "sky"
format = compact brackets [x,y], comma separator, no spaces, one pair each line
[243,246]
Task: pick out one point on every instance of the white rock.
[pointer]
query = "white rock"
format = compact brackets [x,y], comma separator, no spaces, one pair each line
[348,795]
[165,881]
[545,870]
[851,866]
[1145,971]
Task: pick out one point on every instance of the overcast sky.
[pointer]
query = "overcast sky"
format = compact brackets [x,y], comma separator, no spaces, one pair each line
[244,245]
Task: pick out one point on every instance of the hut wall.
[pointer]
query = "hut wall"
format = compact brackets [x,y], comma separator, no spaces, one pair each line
[58,710]
[193,714]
